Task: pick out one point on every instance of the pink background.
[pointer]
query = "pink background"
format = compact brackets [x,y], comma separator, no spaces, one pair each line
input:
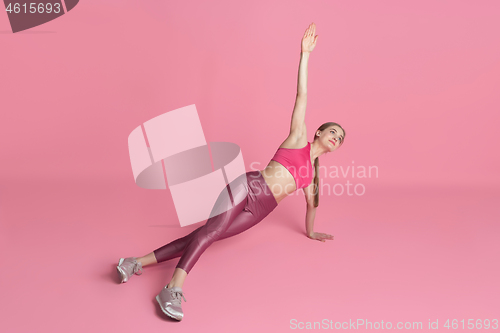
[415,85]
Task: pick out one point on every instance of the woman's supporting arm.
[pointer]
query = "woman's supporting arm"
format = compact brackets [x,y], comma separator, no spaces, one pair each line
[310,215]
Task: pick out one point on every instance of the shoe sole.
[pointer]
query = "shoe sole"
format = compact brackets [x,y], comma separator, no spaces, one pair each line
[165,311]
[120,271]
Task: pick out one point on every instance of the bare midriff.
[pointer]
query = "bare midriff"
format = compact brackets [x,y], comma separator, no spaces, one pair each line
[279,180]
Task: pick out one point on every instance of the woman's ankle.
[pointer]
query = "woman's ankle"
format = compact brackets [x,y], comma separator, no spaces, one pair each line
[147,259]
[172,284]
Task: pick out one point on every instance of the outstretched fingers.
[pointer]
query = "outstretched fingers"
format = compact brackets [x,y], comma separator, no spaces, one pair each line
[326,236]
[309,39]
[310,30]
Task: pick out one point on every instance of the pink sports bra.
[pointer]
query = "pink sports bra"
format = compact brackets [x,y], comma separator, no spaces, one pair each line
[298,162]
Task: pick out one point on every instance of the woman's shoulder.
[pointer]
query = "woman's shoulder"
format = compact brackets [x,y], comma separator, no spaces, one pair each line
[294,142]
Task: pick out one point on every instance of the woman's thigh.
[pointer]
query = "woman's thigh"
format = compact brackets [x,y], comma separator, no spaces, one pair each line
[259,203]
[244,221]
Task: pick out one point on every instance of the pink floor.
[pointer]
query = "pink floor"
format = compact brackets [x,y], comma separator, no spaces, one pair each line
[399,255]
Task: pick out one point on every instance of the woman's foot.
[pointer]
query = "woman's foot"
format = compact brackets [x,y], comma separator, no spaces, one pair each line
[128,267]
[170,302]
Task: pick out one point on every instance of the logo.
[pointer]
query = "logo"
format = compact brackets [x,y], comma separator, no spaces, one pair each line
[170,150]
[26,15]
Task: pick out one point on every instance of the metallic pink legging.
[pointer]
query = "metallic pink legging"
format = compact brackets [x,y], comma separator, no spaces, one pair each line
[250,200]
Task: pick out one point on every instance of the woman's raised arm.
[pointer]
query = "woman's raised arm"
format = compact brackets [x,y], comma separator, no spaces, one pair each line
[299,111]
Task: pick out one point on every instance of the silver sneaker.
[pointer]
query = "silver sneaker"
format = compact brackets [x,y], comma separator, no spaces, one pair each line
[170,302]
[128,267]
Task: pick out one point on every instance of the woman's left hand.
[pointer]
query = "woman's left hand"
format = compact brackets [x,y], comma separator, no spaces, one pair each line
[319,236]
[309,40]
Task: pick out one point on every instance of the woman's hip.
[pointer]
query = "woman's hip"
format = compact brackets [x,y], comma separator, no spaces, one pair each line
[261,200]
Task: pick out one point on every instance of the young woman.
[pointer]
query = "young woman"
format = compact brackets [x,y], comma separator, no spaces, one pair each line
[253,195]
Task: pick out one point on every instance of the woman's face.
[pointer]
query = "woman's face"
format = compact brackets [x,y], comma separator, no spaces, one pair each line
[332,137]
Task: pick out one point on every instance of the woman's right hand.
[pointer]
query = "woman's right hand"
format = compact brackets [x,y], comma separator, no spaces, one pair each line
[320,236]
[309,40]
